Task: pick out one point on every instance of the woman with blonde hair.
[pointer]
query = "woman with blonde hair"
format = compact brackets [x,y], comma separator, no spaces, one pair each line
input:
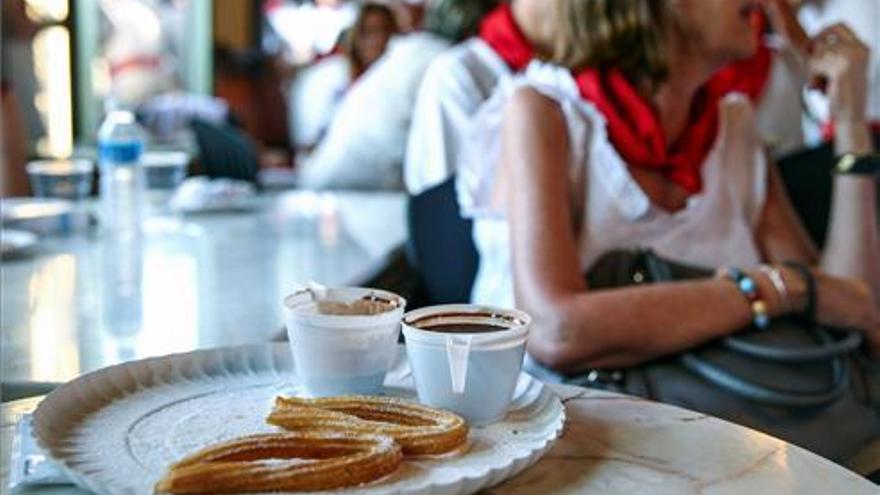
[632,144]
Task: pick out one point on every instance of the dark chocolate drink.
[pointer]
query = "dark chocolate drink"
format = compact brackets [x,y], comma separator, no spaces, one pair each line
[464,328]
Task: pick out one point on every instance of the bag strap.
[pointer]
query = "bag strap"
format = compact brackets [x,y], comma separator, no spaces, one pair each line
[834,348]
[660,270]
[766,395]
[828,349]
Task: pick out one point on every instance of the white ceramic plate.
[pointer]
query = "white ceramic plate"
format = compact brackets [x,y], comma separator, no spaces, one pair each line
[16,242]
[44,216]
[116,430]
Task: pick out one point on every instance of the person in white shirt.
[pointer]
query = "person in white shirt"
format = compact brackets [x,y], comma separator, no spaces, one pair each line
[560,170]
[365,144]
[462,79]
[790,117]
[317,91]
[315,94]
[643,148]
[459,81]
[863,16]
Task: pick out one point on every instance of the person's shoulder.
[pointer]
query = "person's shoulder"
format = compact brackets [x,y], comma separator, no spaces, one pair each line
[548,96]
[470,52]
[545,85]
[418,43]
[462,65]
[528,104]
[532,98]
[454,59]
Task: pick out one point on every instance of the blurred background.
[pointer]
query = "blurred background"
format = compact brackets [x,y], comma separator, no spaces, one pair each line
[239,62]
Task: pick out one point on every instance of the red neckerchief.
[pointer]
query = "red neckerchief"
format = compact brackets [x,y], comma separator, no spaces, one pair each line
[634,128]
[748,76]
[500,31]
[635,131]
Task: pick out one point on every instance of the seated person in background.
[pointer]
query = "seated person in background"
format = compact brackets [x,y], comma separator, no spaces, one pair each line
[20,122]
[643,148]
[365,143]
[863,16]
[774,77]
[462,79]
[317,91]
[13,146]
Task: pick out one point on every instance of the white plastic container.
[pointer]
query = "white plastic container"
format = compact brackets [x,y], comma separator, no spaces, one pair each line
[165,169]
[66,179]
[472,374]
[337,354]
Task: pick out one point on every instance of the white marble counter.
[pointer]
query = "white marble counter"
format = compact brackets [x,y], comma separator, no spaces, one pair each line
[198,281]
[616,444]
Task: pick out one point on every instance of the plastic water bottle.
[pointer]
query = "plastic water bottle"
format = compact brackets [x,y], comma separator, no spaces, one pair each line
[120,147]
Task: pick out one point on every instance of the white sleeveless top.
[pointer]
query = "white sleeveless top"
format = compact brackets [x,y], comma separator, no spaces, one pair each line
[611,210]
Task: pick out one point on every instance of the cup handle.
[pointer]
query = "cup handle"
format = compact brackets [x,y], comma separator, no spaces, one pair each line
[458,348]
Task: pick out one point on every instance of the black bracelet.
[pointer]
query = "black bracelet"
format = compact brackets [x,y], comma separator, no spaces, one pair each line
[809,312]
[858,165]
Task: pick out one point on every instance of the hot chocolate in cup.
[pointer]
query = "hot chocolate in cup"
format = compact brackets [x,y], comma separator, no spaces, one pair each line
[343,339]
[466,358]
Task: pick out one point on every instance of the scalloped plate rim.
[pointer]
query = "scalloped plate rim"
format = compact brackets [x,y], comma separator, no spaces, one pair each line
[511,468]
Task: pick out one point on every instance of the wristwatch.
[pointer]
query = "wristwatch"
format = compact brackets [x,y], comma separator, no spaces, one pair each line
[851,164]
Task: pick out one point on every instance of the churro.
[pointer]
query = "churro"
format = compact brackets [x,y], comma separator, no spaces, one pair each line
[420,430]
[295,461]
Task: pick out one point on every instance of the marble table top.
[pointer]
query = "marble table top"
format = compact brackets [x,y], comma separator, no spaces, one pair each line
[616,444]
[79,303]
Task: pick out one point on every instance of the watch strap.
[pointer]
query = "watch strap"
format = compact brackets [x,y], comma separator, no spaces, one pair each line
[851,164]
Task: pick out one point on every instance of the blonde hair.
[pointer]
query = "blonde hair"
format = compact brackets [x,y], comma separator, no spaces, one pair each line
[625,34]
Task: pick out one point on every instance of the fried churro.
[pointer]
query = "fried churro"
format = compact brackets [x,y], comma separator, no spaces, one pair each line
[295,461]
[420,430]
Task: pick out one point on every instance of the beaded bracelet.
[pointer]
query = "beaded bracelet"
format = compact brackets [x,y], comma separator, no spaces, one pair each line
[748,288]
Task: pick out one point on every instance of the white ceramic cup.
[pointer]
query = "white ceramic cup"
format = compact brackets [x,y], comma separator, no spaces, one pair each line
[471,373]
[337,354]
[66,179]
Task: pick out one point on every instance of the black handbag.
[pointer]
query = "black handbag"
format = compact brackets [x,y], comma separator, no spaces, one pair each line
[809,385]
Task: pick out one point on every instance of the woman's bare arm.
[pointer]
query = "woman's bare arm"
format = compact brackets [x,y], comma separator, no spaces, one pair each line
[847,269]
[575,328]
[852,247]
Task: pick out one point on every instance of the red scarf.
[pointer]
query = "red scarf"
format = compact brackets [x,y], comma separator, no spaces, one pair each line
[634,128]
[748,76]
[500,31]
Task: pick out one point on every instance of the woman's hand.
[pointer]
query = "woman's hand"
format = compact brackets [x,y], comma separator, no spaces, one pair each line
[841,302]
[784,22]
[848,303]
[839,63]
